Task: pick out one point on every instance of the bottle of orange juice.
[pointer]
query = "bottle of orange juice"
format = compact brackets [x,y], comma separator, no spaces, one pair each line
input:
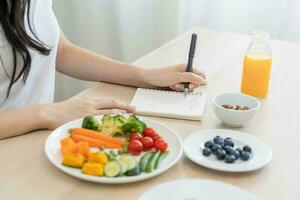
[257,66]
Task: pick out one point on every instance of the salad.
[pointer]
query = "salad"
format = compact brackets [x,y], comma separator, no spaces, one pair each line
[114,146]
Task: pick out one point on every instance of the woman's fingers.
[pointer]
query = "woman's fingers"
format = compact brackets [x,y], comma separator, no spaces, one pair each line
[191,78]
[108,104]
[182,68]
[180,87]
[200,73]
[109,111]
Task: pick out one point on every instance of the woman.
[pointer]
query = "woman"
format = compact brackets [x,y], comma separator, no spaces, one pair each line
[32,47]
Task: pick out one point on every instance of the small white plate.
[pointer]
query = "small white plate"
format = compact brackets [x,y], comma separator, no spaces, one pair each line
[196,189]
[52,149]
[261,154]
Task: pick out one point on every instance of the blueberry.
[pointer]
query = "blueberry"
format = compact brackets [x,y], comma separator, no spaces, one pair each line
[245,155]
[228,149]
[228,138]
[229,158]
[229,143]
[206,152]
[208,144]
[221,154]
[220,141]
[215,147]
[235,153]
[247,148]
[239,150]
[216,138]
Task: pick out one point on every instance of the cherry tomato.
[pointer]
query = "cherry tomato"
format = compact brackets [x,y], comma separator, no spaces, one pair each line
[148,132]
[147,143]
[160,145]
[155,137]
[135,136]
[135,147]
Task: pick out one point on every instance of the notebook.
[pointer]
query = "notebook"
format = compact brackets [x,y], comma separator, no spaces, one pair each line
[169,104]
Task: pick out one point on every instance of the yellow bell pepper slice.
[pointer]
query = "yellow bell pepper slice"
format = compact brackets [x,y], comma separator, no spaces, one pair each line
[92,168]
[98,157]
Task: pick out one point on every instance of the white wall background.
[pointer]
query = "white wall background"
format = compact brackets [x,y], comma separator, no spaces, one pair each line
[128,29]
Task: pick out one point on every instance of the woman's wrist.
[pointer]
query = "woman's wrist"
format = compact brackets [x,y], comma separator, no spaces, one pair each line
[145,77]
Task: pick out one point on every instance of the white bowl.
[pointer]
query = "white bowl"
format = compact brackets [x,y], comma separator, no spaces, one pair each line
[235,118]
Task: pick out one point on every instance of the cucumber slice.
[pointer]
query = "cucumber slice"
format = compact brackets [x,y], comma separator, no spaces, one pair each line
[152,161]
[161,157]
[145,160]
[131,161]
[134,172]
[124,167]
[112,169]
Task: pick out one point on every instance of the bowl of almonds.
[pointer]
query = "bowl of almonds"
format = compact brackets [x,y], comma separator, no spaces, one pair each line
[235,109]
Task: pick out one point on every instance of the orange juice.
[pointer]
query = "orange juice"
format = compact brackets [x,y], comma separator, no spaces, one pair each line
[256,74]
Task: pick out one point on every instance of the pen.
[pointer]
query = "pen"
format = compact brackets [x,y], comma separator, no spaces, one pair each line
[189,67]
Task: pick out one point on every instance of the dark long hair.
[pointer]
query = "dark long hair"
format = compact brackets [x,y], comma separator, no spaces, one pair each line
[12,19]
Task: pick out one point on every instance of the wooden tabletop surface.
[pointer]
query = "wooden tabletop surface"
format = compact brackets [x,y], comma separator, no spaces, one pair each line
[25,172]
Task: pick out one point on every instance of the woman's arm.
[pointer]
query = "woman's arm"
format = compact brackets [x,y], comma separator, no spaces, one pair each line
[83,64]
[18,121]
[49,116]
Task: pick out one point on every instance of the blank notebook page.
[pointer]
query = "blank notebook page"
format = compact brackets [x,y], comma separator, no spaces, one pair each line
[169,104]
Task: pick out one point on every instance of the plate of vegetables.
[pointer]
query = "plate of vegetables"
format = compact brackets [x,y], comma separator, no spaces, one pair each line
[113,149]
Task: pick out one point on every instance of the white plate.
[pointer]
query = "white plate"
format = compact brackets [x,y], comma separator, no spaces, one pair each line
[261,154]
[196,189]
[52,149]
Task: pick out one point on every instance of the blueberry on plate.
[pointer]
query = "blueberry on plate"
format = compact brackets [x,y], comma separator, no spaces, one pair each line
[245,155]
[239,150]
[208,144]
[215,148]
[206,151]
[221,154]
[216,138]
[235,153]
[247,148]
[229,158]
[220,141]
[228,149]
[228,143]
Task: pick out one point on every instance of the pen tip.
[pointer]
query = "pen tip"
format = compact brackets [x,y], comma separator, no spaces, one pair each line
[185,92]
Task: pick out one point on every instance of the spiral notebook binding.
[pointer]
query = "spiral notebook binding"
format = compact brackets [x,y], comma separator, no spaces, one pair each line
[168,91]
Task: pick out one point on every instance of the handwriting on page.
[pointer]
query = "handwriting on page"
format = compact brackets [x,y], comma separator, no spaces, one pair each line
[194,101]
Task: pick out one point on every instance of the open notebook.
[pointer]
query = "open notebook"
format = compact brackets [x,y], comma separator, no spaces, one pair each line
[169,104]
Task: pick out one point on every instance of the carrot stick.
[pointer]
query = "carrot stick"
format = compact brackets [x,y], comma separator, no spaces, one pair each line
[94,142]
[97,135]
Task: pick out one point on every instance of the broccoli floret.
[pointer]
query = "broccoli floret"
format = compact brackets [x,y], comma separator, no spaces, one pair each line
[133,124]
[90,122]
[112,124]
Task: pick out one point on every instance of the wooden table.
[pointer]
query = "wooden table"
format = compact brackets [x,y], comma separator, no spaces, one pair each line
[25,172]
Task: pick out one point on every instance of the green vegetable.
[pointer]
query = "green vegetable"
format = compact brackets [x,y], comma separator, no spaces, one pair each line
[112,155]
[161,157]
[133,124]
[145,160]
[130,160]
[124,167]
[112,169]
[90,122]
[123,150]
[111,125]
[152,161]
[134,172]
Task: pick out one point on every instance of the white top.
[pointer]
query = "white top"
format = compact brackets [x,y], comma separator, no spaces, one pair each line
[39,87]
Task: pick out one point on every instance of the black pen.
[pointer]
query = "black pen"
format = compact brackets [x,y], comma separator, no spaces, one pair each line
[189,67]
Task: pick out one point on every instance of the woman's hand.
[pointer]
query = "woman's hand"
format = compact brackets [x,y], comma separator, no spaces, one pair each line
[74,108]
[173,77]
